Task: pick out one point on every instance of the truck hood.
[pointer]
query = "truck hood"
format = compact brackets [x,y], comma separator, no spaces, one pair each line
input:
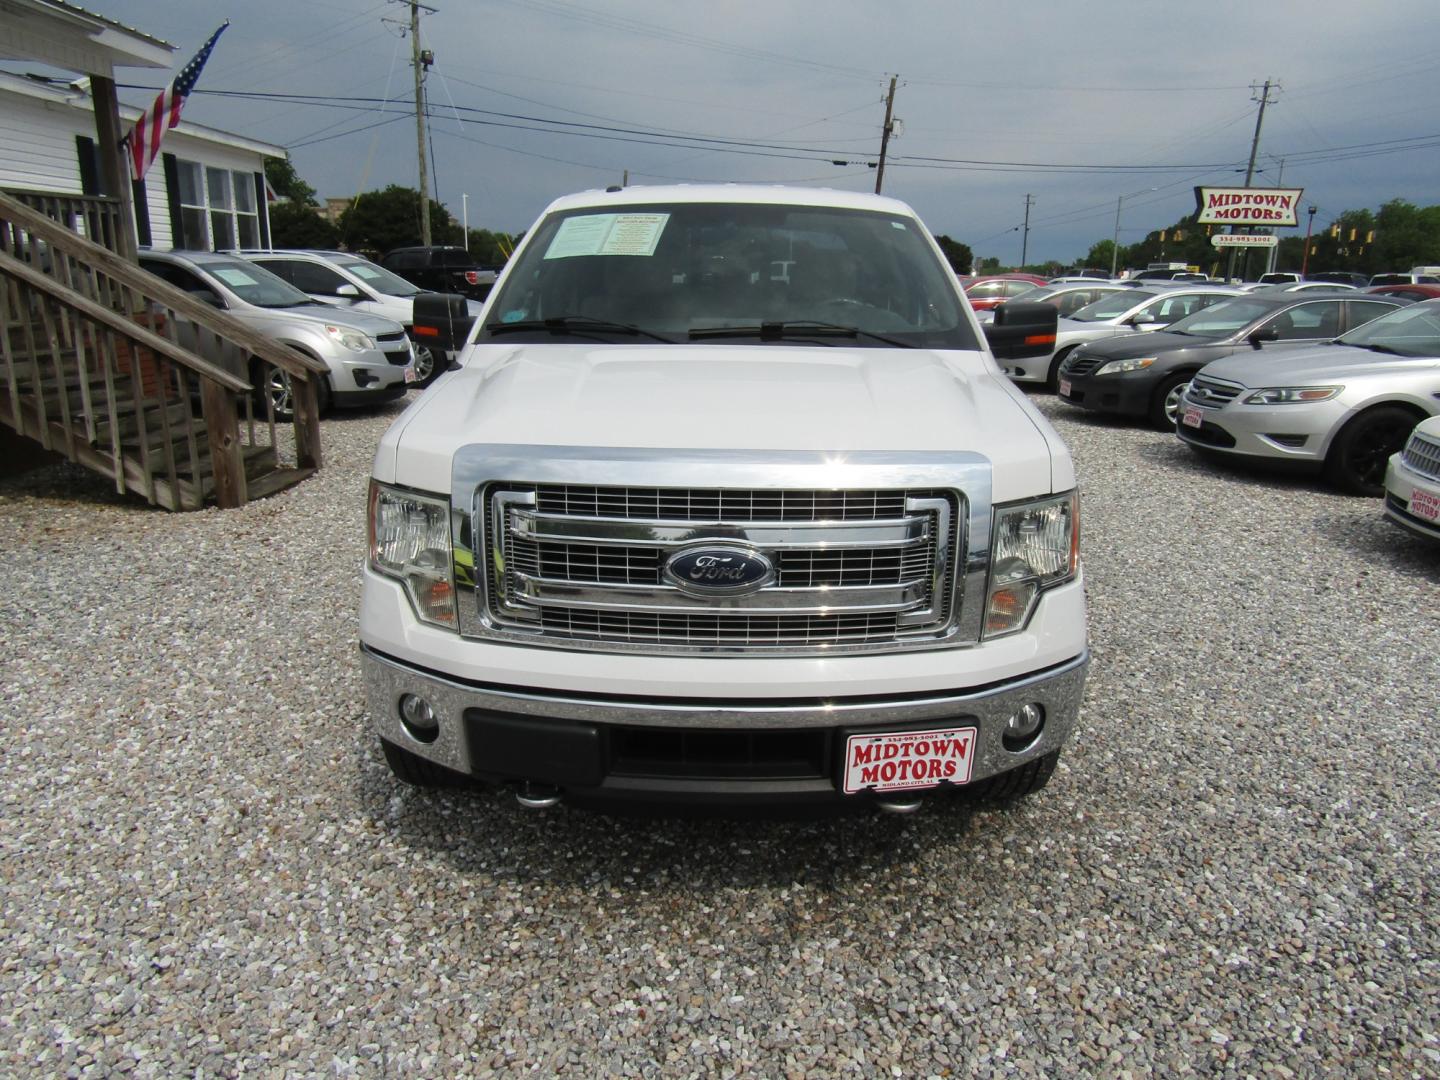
[1318,364]
[725,397]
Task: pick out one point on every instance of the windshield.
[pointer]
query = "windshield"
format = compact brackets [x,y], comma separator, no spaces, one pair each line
[377,277]
[1221,320]
[683,271]
[1113,306]
[1408,331]
[254,284]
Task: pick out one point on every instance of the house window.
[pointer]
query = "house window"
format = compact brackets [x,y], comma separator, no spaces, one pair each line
[218,210]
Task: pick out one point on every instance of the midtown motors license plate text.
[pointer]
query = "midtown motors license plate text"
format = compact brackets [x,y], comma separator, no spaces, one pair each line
[893,761]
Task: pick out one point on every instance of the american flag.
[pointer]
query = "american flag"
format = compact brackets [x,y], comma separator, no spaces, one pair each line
[144,138]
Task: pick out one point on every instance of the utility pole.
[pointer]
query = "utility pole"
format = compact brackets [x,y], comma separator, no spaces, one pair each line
[1254,150]
[1025,240]
[885,134]
[421,60]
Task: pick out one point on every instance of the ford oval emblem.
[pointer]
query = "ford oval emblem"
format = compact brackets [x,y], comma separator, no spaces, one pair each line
[717,570]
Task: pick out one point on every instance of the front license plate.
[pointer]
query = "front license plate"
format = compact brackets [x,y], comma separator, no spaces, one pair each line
[1424,505]
[1192,417]
[1064,387]
[410,375]
[895,761]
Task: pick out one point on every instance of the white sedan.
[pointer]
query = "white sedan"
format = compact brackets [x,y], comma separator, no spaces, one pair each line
[1412,481]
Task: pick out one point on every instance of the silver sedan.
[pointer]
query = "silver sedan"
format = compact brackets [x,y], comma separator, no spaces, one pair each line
[1342,408]
[1124,311]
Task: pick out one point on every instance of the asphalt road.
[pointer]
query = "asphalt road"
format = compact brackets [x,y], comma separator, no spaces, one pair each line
[207,868]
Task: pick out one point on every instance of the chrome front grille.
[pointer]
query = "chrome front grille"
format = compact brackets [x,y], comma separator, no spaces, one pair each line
[1212,393]
[598,548]
[586,563]
[1422,455]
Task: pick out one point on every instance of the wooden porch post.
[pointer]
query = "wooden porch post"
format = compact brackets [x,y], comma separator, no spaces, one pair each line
[114,168]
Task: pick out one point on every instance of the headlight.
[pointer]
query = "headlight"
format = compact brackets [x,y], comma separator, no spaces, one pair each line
[1292,395]
[410,542]
[351,339]
[1033,546]
[1119,367]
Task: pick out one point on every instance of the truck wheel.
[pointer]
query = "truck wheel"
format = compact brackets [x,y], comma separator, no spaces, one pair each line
[1017,783]
[1359,454]
[1165,405]
[416,770]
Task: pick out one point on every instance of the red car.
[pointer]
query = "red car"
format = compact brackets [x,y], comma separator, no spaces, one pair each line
[1417,292]
[994,289]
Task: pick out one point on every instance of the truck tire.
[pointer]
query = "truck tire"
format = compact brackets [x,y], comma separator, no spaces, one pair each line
[416,770]
[1017,783]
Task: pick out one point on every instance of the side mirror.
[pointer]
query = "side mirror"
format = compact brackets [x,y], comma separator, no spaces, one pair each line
[348,292]
[1022,329]
[442,320]
[1264,334]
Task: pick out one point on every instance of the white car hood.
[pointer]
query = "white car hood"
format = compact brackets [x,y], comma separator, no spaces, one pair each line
[725,397]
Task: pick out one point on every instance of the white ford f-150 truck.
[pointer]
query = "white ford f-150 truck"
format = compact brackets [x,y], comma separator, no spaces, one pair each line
[727,502]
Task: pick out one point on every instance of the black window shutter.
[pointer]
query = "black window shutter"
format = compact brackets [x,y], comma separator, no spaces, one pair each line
[263,208]
[142,212]
[89,165]
[172,196]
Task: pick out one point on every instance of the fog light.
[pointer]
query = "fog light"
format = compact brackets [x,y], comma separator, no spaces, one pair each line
[1023,727]
[419,718]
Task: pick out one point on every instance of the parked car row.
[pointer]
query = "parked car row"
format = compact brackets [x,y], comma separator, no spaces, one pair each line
[337,307]
[1337,382]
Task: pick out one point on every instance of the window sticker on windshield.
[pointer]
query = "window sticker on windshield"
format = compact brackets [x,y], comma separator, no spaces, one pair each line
[514,315]
[363,272]
[233,277]
[898,225]
[607,234]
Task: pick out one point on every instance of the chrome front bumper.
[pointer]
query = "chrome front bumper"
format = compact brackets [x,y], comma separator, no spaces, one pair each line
[464,709]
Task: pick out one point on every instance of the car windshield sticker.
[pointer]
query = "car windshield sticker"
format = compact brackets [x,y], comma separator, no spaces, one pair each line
[233,277]
[515,315]
[363,272]
[607,234]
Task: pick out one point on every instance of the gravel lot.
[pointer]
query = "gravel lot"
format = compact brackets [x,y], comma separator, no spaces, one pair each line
[208,870]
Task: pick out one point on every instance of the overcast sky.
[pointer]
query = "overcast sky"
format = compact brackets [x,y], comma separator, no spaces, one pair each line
[1145,95]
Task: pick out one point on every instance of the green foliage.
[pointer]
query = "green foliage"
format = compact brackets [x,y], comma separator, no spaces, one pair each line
[293,225]
[959,255]
[287,183]
[488,248]
[1100,256]
[380,221]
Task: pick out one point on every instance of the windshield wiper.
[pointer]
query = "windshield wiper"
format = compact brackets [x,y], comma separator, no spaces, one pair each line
[1385,349]
[776,331]
[561,325]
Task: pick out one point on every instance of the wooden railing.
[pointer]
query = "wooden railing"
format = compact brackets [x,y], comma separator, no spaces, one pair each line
[132,377]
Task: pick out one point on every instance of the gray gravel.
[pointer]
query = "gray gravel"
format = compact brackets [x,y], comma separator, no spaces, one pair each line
[207,869]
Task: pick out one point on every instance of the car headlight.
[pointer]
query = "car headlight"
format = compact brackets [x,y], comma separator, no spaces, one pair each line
[410,542]
[1033,546]
[1292,395]
[351,339]
[1119,367]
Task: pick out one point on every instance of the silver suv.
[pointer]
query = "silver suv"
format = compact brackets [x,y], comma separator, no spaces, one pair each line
[370,357]
[353,283]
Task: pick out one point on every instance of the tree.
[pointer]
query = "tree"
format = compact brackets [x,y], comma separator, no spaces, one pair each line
[1100,257]
[293,225]
[488,248]
[287,183]
[959,255]
[383,220]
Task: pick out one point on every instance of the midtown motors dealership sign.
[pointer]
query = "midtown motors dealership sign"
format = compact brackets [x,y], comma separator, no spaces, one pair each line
[1247,206]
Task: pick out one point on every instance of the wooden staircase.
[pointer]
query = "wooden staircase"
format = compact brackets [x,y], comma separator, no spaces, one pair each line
[95,368]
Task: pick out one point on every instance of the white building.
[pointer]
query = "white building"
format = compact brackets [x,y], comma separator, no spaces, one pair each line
[206,190]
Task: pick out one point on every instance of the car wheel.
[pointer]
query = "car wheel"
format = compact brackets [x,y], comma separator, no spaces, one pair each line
[1165,404]
[1052,378]
[1017,783]
[275,392]
[418,771]
[1360,453]
[429,363]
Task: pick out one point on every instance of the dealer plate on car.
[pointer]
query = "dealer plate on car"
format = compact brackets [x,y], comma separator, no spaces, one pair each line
[1424,505]
[896,761]
[1064,387]
[410,375]
[1193,417]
